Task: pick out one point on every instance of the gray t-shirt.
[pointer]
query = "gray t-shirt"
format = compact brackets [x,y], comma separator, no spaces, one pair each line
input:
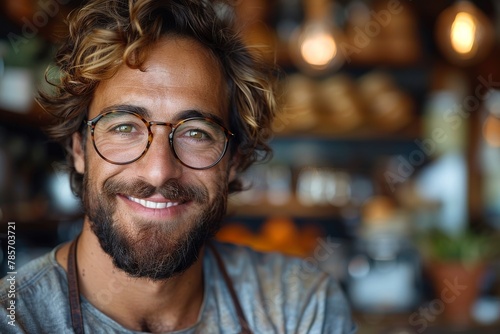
[278,294]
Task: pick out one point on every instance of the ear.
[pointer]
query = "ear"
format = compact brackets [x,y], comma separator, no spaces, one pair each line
[233,170]
[78,153]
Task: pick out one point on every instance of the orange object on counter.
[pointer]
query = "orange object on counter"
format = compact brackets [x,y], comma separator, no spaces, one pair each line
[236,233]
[277,234]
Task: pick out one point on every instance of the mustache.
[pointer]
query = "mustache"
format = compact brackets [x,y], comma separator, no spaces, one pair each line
[172,190]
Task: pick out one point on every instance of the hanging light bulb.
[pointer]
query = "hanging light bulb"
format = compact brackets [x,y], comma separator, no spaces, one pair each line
[317,46]
[314,45]
[464,34]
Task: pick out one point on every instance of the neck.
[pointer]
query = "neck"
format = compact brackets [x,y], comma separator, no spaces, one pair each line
[136,303]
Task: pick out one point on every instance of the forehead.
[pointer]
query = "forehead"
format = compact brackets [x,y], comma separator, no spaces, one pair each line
[179,74]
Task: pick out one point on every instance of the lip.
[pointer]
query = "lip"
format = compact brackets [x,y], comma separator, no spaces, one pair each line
[153,207]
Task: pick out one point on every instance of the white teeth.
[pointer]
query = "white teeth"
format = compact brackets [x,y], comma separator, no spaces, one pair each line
[152,205]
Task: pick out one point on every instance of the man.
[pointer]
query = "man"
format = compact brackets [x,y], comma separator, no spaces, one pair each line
[161,107]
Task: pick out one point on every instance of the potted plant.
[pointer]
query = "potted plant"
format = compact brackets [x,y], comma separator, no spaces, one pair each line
[456,266]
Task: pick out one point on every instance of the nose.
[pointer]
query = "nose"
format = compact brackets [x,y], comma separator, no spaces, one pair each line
[159,164]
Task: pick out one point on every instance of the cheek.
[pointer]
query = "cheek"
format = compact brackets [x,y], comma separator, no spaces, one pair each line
[214,180]
[98,170]
[219,180]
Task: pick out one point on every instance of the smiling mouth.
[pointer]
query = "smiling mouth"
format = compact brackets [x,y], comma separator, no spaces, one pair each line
[153,205]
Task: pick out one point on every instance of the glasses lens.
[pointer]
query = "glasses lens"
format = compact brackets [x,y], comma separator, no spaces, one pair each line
[120,137]
[199,143]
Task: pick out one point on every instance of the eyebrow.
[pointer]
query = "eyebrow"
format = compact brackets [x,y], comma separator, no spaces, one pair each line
[177,118]
[198,113]
[127,107]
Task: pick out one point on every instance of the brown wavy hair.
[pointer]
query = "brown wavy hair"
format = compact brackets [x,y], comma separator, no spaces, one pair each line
[104,34]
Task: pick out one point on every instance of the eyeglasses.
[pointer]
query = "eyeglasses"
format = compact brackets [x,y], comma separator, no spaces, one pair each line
[121,137]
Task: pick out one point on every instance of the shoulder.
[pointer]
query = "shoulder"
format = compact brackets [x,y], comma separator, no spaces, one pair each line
[30,275]
[267,269]
[288,292]
[38,286]
[270,267]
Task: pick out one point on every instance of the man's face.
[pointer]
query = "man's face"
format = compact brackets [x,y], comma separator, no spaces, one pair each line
[153,216]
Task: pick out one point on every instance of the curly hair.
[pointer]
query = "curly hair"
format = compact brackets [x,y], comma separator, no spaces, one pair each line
[105,34]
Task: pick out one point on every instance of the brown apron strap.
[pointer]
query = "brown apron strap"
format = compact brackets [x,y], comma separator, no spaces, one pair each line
[245,328]
[74,292]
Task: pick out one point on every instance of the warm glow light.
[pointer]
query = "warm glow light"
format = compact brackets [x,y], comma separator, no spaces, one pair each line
[318,48]
[491,131]
[463,33]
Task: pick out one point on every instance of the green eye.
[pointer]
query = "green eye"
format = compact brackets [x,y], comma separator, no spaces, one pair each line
[124,128]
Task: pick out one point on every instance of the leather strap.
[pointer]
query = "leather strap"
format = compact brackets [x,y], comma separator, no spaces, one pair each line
[74,291]
[245,328]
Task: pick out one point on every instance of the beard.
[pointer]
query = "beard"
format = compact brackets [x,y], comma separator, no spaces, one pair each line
[154,250]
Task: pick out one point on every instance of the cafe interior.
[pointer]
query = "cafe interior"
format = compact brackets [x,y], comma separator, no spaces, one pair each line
[385,152]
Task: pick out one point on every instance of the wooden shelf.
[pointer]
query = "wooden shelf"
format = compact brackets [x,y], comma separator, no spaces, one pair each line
[292,208]
[365,132]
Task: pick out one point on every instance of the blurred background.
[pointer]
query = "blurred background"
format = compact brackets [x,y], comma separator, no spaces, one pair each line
[385,153]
